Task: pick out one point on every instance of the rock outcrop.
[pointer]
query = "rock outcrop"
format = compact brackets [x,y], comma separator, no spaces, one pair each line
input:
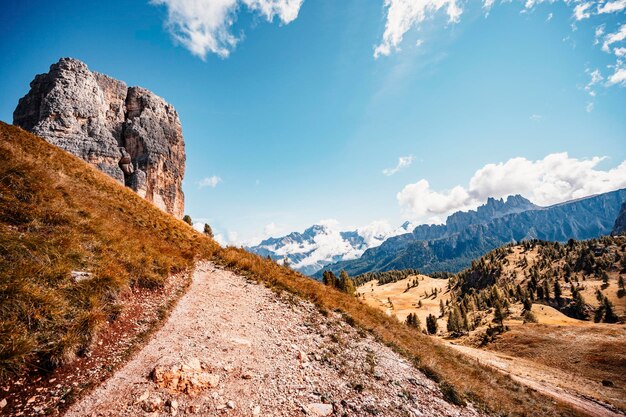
[130,134]
[620,223]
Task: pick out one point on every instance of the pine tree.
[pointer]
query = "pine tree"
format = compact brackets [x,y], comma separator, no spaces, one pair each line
[528,304]
[609,312]
[557,292]
[431,324]
[413,321]
[546,290]
[442,308]
[580,306]
[329,279]
[498,314]
[187,219]
[208,231]
[454,321]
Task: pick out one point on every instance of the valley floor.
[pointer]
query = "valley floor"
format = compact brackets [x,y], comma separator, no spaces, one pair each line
[265,354]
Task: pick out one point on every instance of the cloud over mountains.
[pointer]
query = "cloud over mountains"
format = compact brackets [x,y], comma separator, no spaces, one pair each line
[551,180]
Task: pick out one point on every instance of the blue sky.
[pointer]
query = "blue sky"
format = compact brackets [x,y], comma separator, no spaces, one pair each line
[300,119]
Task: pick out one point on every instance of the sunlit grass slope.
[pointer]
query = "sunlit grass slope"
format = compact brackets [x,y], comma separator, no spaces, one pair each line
[58,214]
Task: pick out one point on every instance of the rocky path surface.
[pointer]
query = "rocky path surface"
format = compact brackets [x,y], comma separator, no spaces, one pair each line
[233,347]
[559,385]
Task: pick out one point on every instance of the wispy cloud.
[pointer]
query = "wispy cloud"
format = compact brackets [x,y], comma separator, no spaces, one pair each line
[211,181]
[403,162]
[612,7]
[402,15]
[553,179]
[536,117]
[205,26]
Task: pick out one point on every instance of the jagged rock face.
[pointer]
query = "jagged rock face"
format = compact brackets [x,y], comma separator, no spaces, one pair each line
[129,133]
[620,223]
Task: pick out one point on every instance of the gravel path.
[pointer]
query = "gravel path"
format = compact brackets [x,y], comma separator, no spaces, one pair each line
[264,354]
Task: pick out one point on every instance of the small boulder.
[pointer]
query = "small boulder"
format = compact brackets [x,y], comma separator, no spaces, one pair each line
[320,409]
[151,404]
[190,377]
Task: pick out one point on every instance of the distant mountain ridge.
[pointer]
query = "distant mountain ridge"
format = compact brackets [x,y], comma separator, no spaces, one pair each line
[469,235]
[320,245]
[620,223]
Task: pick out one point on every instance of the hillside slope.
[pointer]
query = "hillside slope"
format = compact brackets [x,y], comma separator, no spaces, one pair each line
[531,301]
[467,236]
[59,215]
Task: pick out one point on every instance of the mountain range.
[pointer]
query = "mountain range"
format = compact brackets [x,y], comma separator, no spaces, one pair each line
[323,244]
[468,235]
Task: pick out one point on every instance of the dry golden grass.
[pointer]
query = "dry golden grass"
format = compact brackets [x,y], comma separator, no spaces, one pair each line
[598,354]
[404,302]
[58,214]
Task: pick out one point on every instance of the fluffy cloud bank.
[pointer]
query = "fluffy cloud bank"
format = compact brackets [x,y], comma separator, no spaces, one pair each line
[553,179]
[205,26]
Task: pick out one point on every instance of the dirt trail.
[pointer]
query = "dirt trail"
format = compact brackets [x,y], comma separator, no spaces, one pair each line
[274,355]
[544,380]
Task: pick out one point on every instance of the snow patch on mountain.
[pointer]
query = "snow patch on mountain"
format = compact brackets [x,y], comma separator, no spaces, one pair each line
[325,243]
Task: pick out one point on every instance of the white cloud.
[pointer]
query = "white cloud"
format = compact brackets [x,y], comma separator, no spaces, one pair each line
[553,179]
[618,77]
[581,11]
[612,38]
[272,229]
[598,34]
[403,162]
[550,16]
[211,181]
[205,26]
[595,77]
[402,15]
[536,117]
[612,7]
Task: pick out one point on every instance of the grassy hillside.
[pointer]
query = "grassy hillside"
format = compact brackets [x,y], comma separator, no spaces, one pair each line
[508,302]
[58,215]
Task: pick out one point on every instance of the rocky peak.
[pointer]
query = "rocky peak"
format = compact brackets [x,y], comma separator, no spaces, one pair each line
[492,209]
[130,134]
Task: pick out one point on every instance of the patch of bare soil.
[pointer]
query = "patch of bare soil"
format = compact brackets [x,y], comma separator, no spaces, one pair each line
[50,393]
[233,347]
